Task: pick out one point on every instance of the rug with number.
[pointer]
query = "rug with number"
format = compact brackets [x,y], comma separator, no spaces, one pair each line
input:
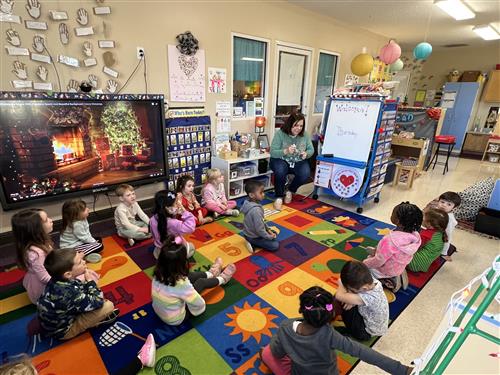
[316,239]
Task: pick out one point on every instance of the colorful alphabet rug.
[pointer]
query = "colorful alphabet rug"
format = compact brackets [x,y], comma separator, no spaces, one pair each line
[316,239]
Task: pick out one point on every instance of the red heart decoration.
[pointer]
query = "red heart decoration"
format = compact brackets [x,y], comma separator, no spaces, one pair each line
[346,180]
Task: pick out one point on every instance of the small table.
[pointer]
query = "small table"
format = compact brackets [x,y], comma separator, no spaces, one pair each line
[411,169]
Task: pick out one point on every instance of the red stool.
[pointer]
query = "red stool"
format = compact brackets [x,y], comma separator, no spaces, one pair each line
[446,140]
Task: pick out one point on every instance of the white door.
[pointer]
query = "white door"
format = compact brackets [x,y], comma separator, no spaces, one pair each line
[291,82]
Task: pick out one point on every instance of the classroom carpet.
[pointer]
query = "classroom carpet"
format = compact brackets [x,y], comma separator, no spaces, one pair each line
[316,239]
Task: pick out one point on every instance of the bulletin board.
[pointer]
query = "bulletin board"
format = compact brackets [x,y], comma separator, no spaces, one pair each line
[188,148]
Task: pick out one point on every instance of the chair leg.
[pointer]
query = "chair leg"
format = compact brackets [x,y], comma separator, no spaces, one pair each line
[411,176]
[436,155]
[450,148]
[396,176]
[432,159]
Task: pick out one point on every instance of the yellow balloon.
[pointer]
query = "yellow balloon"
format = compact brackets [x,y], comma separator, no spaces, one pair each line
[362,64]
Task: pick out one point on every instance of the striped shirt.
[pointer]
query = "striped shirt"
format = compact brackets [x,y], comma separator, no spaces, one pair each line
[169,302]
[427,254]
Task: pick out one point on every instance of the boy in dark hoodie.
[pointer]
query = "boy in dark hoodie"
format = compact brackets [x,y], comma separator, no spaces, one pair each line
[255,231]
[69,306]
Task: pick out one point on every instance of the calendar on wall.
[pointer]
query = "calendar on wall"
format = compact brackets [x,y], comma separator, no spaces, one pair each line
[188,148]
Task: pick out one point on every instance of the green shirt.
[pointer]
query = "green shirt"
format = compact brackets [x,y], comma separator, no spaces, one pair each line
[282,141]
[424,257]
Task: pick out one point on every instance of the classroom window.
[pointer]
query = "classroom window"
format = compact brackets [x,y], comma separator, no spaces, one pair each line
[325,81]
[249,74]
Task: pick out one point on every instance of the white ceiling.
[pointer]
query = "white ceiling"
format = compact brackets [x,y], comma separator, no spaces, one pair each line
[407,21]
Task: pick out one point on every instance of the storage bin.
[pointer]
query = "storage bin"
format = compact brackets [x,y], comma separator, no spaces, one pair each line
[264,179]
[246,169]
[493,158]
[236,188]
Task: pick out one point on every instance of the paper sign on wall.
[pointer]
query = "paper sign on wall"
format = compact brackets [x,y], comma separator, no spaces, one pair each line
[186,76]
[216,80]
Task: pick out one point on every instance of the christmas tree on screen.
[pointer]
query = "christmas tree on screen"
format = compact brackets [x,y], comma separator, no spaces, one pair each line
[121,126]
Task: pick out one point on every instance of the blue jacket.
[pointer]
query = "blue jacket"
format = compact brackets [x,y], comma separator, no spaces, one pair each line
[63,300]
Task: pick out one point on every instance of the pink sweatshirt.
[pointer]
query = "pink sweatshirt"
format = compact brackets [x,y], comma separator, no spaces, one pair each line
[175,227]
[393,253]
[213,195]
[36,275]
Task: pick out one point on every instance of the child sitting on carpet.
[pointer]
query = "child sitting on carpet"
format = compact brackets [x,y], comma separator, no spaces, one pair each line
[304,346]
[68,306]
[395,250]
[174,286]
[145,358]
[170,219]
[256,231]
[130,220]
[75,233]
[433,239]
[447,202]
[214,196]
[186,198]
[31,228]
[363,304]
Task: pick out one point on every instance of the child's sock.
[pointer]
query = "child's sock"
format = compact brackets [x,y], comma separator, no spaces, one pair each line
[221,280]
[209,274]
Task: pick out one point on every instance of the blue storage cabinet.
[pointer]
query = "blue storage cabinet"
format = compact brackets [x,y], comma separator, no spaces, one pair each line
[457,118]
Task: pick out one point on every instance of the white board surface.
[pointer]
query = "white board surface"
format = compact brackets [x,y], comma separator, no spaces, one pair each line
[350,128]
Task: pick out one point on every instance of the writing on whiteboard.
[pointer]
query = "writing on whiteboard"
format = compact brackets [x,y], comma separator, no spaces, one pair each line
[341,132]
[351,108]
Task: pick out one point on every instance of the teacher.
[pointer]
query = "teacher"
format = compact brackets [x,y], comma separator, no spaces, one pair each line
[290,149]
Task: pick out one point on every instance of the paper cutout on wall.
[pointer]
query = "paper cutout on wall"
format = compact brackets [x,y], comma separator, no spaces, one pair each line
[33,7]
[186,76]
[13,37]
[346,181]
[19,69]
[7,6]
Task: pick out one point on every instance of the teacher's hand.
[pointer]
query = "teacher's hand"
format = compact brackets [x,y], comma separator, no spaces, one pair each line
[303,155]
[290,149]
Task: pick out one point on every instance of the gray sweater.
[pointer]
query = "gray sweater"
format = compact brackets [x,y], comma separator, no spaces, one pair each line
[254,225]
[78,235]
[315,354]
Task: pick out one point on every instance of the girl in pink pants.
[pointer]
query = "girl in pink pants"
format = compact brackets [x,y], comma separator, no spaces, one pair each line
[214,196]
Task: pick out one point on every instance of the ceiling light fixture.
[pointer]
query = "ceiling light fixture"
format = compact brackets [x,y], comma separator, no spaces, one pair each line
[487,32]
[456,8]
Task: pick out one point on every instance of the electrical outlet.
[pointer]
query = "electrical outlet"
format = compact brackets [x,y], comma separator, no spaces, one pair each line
[140,52]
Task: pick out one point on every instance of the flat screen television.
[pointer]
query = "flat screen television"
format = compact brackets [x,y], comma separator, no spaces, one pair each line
[53,146]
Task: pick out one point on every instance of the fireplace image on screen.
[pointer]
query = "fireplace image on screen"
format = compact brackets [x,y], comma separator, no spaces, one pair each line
[52,147]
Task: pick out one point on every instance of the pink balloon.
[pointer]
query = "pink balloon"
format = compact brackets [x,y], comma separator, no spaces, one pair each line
[390,52]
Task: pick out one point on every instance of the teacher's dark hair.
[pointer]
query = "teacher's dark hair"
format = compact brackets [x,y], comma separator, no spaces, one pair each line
[292,119]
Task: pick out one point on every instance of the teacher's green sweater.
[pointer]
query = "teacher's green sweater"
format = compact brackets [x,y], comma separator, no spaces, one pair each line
[282,140]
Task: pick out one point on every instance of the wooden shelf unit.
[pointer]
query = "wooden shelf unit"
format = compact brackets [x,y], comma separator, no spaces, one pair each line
[491,141]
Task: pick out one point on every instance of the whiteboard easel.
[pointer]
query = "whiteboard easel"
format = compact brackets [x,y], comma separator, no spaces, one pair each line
[350,128]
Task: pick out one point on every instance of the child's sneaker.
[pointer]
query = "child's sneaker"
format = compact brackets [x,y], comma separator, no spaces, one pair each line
[110,318]
[216,215]
[288,197]
[404,280]
[216,268]
[235,212]
[131,242]
[249,247]
[228,272]
[147,354]
[278,204]
[93,258]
